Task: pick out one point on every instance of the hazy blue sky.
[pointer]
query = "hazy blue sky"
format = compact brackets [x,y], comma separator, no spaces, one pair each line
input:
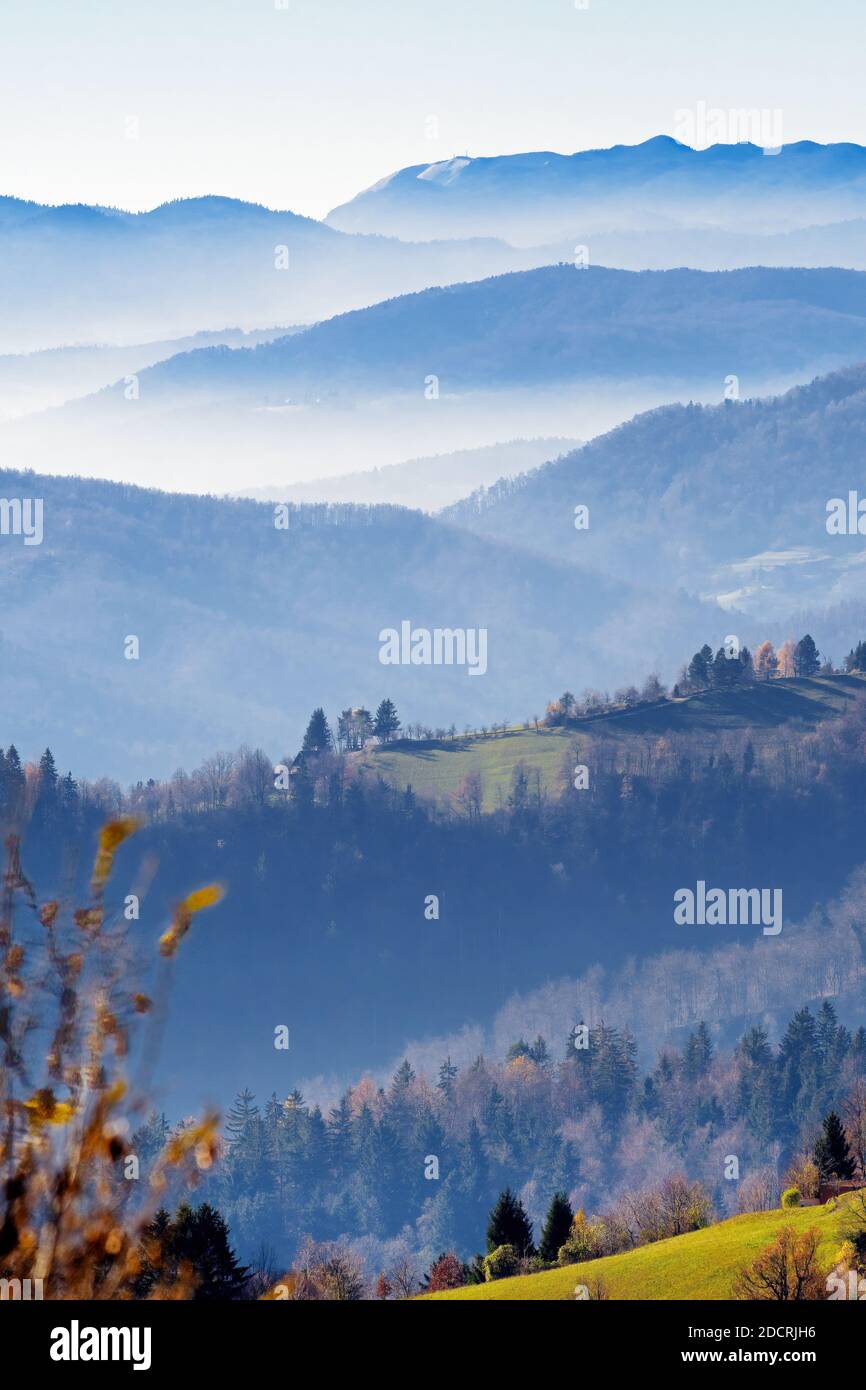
[303,106]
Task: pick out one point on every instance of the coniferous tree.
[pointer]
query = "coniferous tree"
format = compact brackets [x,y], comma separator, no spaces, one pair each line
[45,809]
[698,1053]
[241,1113]
[447,1077]
[318,737]
[386,724]
[509,1225]
[14,776]
[339,1134]
[700,667]
[557,1226]
[197,1237]
[832,1155]
[47,774]
[14,771]
[806,659]
[402,1078]
[856,658]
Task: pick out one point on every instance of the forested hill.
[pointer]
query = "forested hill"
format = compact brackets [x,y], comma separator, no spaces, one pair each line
[543,326]
[238,619]
[728,499]
[334,878]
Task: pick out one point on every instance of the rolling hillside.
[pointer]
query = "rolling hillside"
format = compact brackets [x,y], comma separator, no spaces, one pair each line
[536,327]
[727,499]
[427,483]
[551,351]
[272,622]
[696,1266]
[78,274]
[437,767]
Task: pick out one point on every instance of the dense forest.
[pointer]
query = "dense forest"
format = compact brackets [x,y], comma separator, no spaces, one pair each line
[688,1058]
[404,1171]
[333,875]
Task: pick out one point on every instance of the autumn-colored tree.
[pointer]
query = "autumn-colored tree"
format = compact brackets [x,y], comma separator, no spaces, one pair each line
[445,1273]
[788,1271]
[584,1240]
[803,1174]
[384,1288]
[786,659]
[766,662]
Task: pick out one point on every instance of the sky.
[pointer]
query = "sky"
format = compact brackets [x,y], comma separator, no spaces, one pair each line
[300,104]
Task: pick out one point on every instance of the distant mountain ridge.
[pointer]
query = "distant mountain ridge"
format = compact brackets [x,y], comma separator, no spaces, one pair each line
[76,274]
[550,351]
[539,196]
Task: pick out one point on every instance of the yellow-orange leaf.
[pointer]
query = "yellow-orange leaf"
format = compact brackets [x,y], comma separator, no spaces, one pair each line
[42,1108]
[111,837]
[204,897]
[183,915]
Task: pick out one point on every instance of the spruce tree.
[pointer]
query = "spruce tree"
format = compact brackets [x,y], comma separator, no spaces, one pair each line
[509,1225]
[243,1111]
[699,667]
[386,724]
[447,1077]
[698,1053]
[832,1155]
[14,771]
[806,659]
[557,1226]
[318,737]
[198,1237]
[47,775]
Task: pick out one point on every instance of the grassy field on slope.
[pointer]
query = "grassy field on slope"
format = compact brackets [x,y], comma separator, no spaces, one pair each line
[437,768]
[700,1265]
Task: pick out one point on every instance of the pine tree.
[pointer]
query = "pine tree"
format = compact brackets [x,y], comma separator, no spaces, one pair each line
[699,1053]
[509,1225]
[46,795]
[197,1237]
[14,771]
[242,1112]
[832,1155]
[339,1137]
[557,1226]
[402,1078]
[447,1077]
[699,667]
[856,658]
[47,772]
[806,659]
[318,738]
[69,797]
[386,723]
